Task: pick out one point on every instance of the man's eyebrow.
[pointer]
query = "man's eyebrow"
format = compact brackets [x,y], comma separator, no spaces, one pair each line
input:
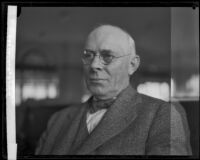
[89,50]
[101,50]
[106,50]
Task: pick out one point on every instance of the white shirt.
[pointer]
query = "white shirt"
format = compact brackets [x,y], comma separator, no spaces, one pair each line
[93,119]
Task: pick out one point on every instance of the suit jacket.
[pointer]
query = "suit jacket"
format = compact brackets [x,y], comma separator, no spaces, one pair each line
[134,124]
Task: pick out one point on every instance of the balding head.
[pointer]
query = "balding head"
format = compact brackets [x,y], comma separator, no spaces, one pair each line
[120,37]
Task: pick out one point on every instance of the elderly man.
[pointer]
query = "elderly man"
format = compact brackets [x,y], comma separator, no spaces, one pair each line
[116,120]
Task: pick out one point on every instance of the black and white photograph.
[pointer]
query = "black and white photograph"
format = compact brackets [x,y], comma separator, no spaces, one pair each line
[106,81]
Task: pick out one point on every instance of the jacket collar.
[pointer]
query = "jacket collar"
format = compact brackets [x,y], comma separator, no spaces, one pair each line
[116,119]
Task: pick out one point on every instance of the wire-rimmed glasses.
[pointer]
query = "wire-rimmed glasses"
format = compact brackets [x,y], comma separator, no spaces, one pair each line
[105,56]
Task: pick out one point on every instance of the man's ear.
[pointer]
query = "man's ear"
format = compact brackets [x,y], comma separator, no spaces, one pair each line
[134,64]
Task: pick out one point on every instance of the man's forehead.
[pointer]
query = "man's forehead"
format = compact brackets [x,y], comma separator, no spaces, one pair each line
[108,32]
[108,38]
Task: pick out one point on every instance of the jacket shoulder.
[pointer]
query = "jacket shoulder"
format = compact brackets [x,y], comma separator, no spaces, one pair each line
[163,104]
[56,122]
[65,113]
[151,104]
[149,99]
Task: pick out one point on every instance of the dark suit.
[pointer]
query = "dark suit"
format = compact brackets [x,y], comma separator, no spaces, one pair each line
[134,125]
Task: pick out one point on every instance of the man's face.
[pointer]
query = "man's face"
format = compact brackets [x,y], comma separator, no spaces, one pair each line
[106,81]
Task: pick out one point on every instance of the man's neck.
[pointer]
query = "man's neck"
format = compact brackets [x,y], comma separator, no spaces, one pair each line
[111,96]
[98,99]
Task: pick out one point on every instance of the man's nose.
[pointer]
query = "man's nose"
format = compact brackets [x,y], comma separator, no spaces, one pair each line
[96,63]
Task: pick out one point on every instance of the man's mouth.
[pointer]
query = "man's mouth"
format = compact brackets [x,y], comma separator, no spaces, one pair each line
[96,80]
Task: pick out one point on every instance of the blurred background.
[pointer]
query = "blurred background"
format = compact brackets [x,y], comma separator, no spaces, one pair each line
[49,73]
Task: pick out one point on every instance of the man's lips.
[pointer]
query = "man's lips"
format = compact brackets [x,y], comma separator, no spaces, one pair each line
[96,79]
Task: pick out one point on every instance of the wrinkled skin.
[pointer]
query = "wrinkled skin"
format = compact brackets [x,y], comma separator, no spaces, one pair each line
[107,81]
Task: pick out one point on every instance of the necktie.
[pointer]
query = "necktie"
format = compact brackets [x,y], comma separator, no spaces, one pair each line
[96,105]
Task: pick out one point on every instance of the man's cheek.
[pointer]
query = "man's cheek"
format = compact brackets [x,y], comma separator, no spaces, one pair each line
[120,75]
[115,78]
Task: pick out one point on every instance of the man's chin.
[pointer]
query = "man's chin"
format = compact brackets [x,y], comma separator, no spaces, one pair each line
[96,90]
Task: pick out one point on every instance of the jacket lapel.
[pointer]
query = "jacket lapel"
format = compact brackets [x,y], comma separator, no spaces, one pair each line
[68,133]
[116,119]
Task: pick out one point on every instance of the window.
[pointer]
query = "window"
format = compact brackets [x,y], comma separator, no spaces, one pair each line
[155,89]
[35,79]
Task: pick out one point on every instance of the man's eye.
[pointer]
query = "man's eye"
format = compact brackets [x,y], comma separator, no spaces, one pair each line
[88,55]
[107,56]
